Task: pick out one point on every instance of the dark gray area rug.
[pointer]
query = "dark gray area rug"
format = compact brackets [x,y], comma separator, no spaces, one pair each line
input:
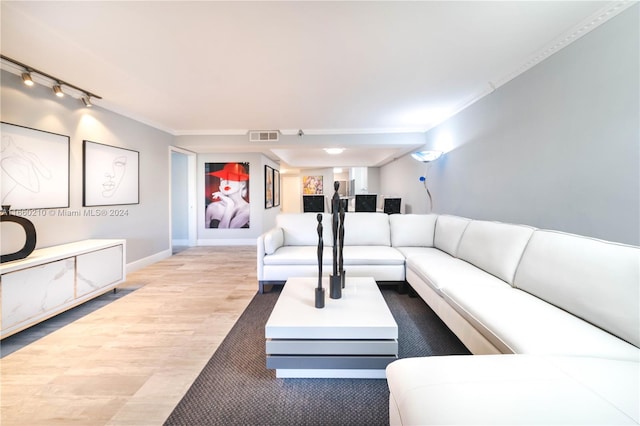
[235,388]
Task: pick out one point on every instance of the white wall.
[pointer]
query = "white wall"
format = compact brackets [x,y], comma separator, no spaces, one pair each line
[146,225]
[558,147]
[291,194]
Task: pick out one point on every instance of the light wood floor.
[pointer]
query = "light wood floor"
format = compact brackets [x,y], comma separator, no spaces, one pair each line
[130,362]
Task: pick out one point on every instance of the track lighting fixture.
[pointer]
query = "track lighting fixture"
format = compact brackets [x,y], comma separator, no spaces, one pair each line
[27,73]
[58,91]
[26,77]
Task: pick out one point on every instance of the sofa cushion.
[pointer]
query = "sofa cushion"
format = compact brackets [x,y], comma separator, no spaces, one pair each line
[448,232]
[352,255]
[596,280]
[298,255]
[412,230]
[512,389]
[494,247]
[366,229]
[273,240]
[301,229]
[440,270]
[372,255]
[517,322]
[408,252]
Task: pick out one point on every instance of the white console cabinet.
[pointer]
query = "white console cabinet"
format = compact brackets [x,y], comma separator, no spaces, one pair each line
[53,279]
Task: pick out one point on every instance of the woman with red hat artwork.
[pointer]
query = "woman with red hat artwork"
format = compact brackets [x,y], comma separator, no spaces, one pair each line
[227,195]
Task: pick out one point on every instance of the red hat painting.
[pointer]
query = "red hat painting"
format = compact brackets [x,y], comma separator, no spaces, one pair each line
[227,195]
[231,171]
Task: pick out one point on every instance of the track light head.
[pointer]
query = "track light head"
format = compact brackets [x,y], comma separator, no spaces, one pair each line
[58,91]
[26,77]
[86,100]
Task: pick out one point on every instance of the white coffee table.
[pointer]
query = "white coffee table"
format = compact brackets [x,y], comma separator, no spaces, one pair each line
[355,336]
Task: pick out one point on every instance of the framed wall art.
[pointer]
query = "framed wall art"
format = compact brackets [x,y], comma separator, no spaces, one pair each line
[35,168]
[312,185]
[276,188]
[111,175]
[268,187]
[226,192]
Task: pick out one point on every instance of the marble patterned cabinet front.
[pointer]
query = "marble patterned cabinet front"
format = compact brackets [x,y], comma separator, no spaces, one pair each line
[54,279]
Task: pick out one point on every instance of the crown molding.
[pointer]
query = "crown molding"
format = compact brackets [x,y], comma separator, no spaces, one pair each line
[587,25]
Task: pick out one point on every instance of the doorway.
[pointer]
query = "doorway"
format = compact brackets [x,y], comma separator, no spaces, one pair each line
[182,199]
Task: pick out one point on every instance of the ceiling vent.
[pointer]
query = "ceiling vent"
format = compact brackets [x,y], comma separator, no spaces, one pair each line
[264,136]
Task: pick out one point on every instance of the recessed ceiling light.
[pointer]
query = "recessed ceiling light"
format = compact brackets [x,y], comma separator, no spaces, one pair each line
[334,151]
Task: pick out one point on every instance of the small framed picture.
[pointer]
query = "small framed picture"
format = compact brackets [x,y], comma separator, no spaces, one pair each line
[268,187]
[276,188]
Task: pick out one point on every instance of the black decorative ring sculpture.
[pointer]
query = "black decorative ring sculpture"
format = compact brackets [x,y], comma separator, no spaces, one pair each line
[29,230]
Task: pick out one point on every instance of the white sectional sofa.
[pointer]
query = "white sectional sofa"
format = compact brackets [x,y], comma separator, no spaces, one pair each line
[556,316]
[290,249]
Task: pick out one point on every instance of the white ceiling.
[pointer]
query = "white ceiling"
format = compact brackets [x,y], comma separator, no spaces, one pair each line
[380,70]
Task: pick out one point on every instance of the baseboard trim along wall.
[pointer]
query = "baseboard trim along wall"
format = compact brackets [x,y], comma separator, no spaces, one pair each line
[141,263]
[228,242]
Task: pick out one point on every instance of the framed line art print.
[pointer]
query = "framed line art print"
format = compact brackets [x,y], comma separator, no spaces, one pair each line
[268,187]
[110,175]
[35,168]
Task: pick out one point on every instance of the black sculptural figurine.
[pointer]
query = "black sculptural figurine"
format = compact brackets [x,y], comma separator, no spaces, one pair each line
[319,289]
[335,282]
[30,235]
[341,236]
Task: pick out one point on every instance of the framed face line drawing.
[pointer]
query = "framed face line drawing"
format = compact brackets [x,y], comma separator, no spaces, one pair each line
[35,168]
[110,175]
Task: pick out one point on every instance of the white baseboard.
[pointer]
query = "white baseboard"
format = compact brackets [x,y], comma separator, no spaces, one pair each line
[182,243]
[141,263]
[228,242]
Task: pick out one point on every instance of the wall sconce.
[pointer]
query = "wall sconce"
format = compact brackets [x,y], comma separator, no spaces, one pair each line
[426,156]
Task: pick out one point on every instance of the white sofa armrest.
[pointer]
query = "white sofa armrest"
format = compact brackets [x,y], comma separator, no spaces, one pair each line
[260,257]
[267,243]
[273,240]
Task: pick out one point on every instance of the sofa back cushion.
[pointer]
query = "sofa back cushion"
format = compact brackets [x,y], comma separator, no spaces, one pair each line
[494,247]
[301,229]
[366,229]
[449,230]
[598,281]
[412,230]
